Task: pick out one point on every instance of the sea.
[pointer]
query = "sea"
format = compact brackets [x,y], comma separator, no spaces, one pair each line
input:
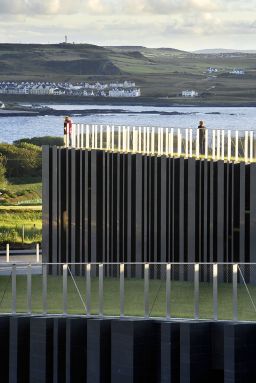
[234,118]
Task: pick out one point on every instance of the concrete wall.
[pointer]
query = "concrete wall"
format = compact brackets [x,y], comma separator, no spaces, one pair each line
[101,206]
[58,349]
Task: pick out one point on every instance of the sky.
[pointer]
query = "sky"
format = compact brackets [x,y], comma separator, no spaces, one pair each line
[181,24]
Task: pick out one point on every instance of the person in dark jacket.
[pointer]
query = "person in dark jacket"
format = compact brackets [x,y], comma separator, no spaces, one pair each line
[67,131]
[202,130]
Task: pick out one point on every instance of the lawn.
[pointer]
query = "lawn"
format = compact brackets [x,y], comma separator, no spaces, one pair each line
[182,297]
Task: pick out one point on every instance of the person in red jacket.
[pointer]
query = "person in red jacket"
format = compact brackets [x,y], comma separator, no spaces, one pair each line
[67,131]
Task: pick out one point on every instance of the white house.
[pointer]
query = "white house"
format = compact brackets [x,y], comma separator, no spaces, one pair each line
[238,72]
[2,106]
[189,93]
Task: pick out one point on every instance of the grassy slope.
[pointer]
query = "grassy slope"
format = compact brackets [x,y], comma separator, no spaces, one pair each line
[159,72]
[182,303]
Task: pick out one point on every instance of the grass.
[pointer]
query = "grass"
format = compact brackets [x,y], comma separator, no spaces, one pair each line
[22,191]
[182,298]
[12,222]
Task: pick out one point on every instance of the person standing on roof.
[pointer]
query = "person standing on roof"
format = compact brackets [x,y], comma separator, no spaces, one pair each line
[67,131]
[202,130]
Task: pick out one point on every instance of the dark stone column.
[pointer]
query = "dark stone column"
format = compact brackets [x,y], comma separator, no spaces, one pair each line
[135,351]
[98,351]
[4,349]
[239,353]
[76,350]
[19,350]
[41,350]
[195,352]
[170,352]
[59,350]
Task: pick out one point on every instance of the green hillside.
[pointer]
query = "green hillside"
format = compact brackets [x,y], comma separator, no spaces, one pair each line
[161,72]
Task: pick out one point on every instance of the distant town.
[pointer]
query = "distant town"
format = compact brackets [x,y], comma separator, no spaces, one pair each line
[115,89]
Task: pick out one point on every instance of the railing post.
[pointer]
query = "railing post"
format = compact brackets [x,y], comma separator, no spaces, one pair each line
[29,288]
[88,289]
[82,136]
[146,290]
[7,253]
[186,144]
[235,311]
[236,147]
[196,290]
[218,144]
[251,146]
[65,288]
[153,141]
[223,145]
[113,138]
[140,146]
[14,292]
[45,289]
[246,147]
[215,291]
[37,253]
[197,143]
[206,144]
[213,144]
[166,142]
[229,145]
[168,291]
[171,142]
[122,289]
[101,297]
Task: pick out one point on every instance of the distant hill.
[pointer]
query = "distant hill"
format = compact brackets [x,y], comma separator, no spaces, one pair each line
[159,72]
[220,51]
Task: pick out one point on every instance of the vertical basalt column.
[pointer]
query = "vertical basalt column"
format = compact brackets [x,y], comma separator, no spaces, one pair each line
[59,349]
[19,350]
[135,351]
[76,349]
[98,351]
[170,352]
[46,200]
[5,347]
[195,352]
[41,349]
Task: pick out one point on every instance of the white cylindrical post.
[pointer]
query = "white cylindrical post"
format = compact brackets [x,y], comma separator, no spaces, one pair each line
[246,147]
[128,138]
[251,146]
[124,139]
[236,147]
[186,144]
[108,138]
[218,144]
[133,140]
[162,141]
[235,310]
[78,136]
[153,141]
[158,142]
[197,143]
[196,291]
[96,136]
[88,289]
[166,142]
[206,143]
[119,138]
[82,136]
[168,291]
[223,144]
[87,137]
[93,144]
[229,145]
[190,143]
[144,139]
[7,253]
[113,139]
[178,143]
[121,289]
[37,253]
[147,146]
[65,288]
[215,291]
[213,144]
[101,137]
[171,142]
[140,138]
[146,290]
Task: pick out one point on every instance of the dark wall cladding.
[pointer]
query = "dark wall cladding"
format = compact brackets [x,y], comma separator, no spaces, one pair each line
[77,349]
[113,207]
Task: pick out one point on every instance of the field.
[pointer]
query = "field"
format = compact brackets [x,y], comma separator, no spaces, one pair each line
[182,298]
[21,212]
[160,73]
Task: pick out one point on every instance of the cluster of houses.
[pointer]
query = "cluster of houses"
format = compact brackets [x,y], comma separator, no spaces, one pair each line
[235,71]
[189,93]
[115,89]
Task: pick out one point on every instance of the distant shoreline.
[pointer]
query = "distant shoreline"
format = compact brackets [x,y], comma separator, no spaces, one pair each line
[140,101]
